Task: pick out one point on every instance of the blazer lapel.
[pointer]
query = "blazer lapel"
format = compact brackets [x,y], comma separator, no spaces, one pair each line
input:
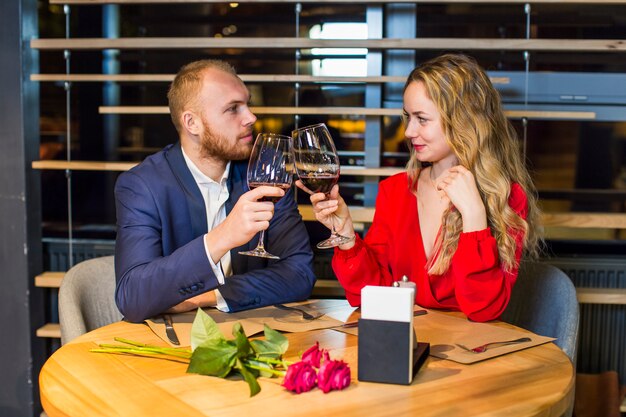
[237,185]
[193,197]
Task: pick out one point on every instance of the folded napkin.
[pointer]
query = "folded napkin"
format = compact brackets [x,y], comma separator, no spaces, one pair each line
[444,332]
[253,321]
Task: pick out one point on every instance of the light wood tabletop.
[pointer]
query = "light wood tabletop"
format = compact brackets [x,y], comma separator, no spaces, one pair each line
[537,381]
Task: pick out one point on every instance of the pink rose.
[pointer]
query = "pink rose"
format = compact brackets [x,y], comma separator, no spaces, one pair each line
[333,375]
[300,377]
[313,355]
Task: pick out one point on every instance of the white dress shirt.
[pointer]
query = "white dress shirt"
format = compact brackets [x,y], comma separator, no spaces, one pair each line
[215,196]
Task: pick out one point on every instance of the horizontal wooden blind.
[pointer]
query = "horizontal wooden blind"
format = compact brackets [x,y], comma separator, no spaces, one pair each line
[261,78]
[360,111]
[125,166]
[554,45]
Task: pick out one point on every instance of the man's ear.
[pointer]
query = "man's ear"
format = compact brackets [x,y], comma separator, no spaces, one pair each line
[191,122]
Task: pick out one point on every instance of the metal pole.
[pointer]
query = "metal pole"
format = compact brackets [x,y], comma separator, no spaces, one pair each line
[298,56]
[526,76]
[68,140]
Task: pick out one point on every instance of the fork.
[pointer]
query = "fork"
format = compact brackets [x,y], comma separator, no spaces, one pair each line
[305,315]
[482,348]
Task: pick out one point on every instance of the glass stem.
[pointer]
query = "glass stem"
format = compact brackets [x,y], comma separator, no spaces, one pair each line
[333,231]
[261,246]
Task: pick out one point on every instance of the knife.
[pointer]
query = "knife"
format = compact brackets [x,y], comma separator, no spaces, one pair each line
[169,329]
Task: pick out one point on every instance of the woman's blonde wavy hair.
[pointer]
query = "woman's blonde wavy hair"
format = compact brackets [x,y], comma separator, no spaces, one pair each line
[485,142]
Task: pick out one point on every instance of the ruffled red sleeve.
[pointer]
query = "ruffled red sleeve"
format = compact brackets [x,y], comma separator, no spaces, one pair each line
[482,287]
[366,263]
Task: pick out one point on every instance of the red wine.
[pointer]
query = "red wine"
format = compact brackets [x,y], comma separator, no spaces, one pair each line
[284,186]
[319,182]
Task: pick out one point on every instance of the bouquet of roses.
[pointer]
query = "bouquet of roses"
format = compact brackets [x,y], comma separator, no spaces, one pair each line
[331,375]
[214,355]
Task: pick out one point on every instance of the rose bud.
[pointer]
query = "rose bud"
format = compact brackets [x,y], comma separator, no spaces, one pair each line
[333,375]
[313,355]
[300,377]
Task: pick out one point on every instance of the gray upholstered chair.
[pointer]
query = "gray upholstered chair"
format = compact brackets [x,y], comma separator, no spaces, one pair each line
[87,298]
[544,302]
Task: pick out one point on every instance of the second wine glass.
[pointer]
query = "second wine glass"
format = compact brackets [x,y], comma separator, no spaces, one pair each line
[271,164]
[317,165]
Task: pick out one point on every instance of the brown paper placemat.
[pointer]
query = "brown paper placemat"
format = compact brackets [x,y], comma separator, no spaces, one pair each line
[253,321]
[182,326]
[443,332]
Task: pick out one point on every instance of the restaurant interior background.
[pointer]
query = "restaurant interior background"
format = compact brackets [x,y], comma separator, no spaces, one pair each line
[568,105]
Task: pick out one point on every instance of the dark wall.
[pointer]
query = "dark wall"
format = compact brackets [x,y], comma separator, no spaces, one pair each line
[21,305]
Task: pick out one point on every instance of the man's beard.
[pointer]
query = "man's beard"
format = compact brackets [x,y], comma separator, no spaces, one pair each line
[214,145]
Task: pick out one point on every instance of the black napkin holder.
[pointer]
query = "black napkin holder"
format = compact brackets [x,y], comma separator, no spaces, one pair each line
[389,352]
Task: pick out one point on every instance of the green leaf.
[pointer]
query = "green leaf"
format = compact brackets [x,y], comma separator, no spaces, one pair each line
[215,356]
[241,340]
[266,349]
[274,346]
[277,338]
[204,331]
[215,359]
[249,377]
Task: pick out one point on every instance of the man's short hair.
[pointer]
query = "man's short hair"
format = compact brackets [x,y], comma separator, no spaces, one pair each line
[183,91]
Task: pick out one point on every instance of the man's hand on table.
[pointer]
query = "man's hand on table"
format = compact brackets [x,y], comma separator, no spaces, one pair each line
[206,299]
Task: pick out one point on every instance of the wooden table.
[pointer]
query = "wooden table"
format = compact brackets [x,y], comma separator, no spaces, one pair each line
[537,381]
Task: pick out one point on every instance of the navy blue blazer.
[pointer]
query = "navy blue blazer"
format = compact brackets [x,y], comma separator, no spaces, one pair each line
[160,258]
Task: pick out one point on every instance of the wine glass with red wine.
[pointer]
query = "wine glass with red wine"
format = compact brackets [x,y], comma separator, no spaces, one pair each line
[317,165]
[271,163]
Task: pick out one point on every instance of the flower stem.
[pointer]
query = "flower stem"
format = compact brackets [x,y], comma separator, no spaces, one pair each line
[260,368]
[128,341]
[138,352]
[274,361]
[143,345]
[155,349]
[142,349]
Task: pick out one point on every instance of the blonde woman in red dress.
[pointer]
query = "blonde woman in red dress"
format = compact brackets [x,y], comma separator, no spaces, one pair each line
[458,220]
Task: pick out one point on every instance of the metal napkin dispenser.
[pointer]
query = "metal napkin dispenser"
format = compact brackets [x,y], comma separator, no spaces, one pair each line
[388,349]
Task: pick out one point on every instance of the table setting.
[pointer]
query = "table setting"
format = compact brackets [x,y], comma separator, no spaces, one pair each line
[450,337]
[291,317]
[75,378]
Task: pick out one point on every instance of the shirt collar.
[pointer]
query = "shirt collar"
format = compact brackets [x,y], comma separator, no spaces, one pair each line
[200,178]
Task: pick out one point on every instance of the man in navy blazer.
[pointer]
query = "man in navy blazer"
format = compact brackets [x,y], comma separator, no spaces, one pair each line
[167,258]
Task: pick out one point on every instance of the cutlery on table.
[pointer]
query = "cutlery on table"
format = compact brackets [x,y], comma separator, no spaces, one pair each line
[169,329]
[305,314]
[483,348]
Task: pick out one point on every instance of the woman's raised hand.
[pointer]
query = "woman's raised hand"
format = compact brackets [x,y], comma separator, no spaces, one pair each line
[458,184]
[329,208]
